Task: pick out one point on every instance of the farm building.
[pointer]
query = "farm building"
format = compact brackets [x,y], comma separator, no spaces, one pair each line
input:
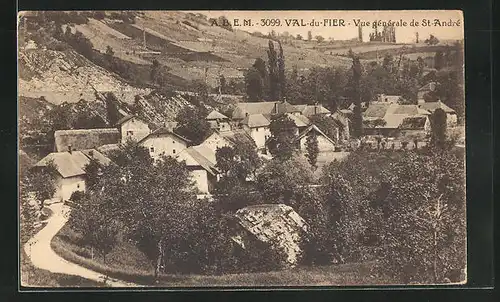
[325,144]
[386,118]
[276,225]
[70,167]
[228,139]
[310,110]
[133,128]
[218,121]
[81,139]
[164,141]
[200,161]
[451,115]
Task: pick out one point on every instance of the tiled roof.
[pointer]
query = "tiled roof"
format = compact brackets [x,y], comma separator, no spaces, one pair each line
[310,110]
[124,119]
[199,156]
[216,115]
[163,131]
[313,128]
[431,106]
[264,108]
[300,120]
[73,164]
[80,139]
[377,110]
[413,122]
[238,136]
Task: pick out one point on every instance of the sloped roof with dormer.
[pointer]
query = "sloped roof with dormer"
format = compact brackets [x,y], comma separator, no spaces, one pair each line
[241,110]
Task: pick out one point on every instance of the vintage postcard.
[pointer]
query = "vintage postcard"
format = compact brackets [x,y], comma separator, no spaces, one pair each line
[241,148]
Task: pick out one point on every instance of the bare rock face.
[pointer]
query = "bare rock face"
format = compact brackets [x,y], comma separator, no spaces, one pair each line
[66,76]
[276,224]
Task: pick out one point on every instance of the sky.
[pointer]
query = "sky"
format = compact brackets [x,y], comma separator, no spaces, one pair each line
[404,34]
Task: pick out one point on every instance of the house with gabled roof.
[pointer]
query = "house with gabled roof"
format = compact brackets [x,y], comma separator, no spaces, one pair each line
[386,118]
[133,128]
[310,110]
[218,121]
[228,139]
[200,161]
[451,115]
[325,144]
[70,175]
[164,141]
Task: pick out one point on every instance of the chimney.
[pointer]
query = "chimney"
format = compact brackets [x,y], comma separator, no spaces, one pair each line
[91,153]
[275,107]
[315,108]
[69,149]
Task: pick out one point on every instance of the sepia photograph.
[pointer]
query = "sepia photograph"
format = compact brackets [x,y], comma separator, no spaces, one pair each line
[237,149]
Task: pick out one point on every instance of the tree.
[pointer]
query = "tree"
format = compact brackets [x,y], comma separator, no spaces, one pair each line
[155,71]
[356,77]
[192,124]
[281,73]
[438,128]
[299,37]
[112,112]
[96,223]
[27,211]
[42,182]
[312,148]
[439,61]
[319,39]
[154,201]
[309,36]
[274,84]
[425,230]
[281,143]
[253,85]
[282,181]
[222,84]
[432,40]
[109,51]
[92,174]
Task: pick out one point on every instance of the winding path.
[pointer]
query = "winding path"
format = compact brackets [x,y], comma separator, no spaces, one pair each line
[42,256]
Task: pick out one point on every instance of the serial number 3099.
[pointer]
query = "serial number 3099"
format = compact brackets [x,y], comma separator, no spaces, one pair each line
[270,22]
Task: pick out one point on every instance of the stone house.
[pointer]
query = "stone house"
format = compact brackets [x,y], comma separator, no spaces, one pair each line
[132,128]
[164,141]
[218,121]
[200,161]
[70,167]
[325,144]
[451,115]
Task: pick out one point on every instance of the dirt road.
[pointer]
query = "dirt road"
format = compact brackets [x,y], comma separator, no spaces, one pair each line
[42,256]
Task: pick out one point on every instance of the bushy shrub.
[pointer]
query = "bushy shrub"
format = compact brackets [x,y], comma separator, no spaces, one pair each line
[77,196]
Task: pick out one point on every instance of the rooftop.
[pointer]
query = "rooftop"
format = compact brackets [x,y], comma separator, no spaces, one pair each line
[69,164]
[80,139]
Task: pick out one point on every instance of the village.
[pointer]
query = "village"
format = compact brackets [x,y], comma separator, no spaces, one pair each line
[145,176]
[388,120]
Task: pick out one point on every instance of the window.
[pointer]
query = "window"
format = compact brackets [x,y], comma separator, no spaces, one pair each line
[130,132]
[78,186]
[257,129]
[152,149]
[173,151]
[173,142]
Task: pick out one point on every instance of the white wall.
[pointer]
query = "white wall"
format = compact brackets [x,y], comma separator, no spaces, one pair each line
[168,144]
[201,179]
[451,120]
[215,141]
[259,135]
[138,129]
[66,186]
[324,145]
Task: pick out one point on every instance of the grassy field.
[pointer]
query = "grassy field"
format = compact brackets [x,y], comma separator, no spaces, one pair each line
[125,262]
